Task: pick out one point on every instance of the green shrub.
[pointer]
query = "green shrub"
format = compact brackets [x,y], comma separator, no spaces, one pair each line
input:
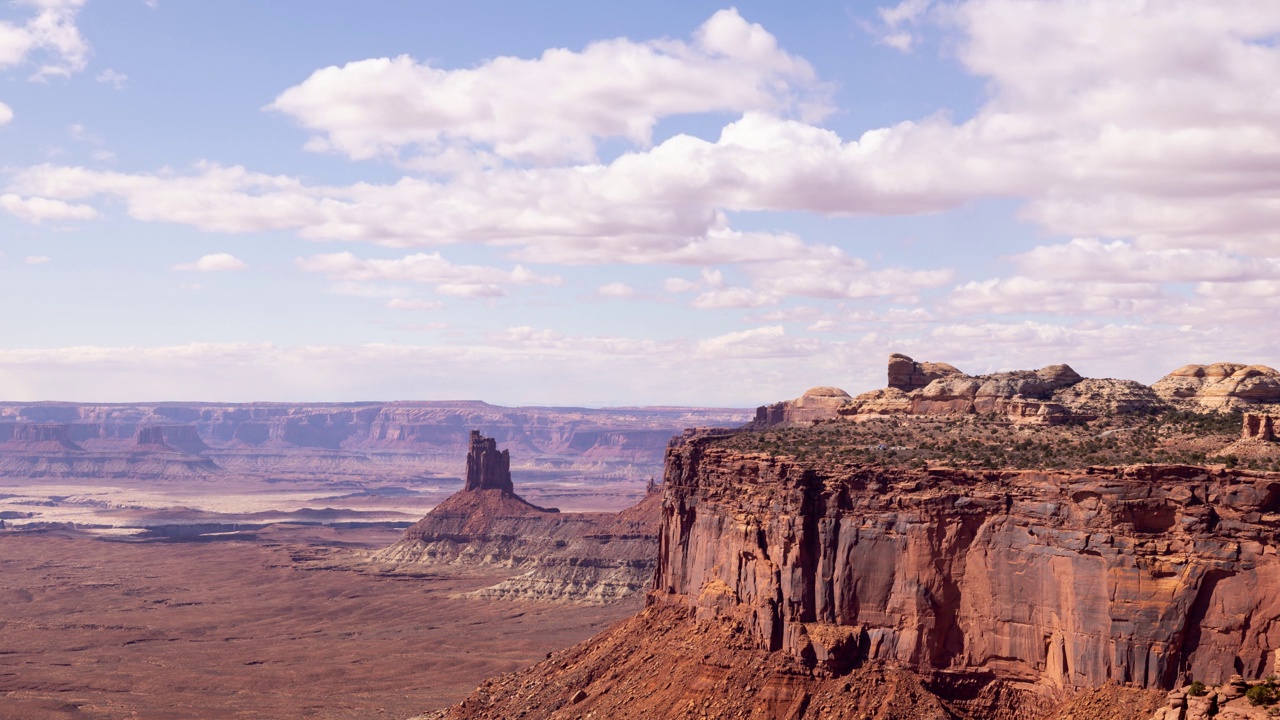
[1261,695]
[1197,689]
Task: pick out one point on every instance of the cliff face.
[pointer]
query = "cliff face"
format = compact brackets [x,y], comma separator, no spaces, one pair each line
[1151,575]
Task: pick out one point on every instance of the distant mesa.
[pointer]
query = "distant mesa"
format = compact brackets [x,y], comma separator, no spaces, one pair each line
[41,437]
[151,439]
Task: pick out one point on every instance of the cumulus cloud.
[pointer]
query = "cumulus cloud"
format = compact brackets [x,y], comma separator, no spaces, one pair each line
[763,342]
[432,268]
[50,38]
[37,209]
[1119,261]
[616,290]
[6,114]
[552,108]
[216,262]
[897,23]
[1112,131]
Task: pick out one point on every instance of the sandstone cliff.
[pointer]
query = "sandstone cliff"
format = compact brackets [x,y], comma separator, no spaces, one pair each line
[573,557]
[1147,575]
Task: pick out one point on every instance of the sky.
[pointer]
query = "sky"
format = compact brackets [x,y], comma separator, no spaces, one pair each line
[602,204]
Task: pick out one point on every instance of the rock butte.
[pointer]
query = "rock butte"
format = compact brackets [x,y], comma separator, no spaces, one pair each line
[801,588]
[589,558]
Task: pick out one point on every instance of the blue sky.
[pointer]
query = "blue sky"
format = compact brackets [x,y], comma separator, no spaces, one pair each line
[583,203]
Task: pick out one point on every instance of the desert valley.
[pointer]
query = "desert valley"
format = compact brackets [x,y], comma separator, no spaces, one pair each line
[898,360]
[1028,544]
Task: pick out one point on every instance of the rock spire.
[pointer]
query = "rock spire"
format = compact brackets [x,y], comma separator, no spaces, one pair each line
[487,468]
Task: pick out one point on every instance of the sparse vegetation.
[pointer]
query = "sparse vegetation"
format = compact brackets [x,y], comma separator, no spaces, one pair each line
[1197,689]
[1263,694]
[994,442]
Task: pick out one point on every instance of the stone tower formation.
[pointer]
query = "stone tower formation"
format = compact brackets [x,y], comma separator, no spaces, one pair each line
[487,468]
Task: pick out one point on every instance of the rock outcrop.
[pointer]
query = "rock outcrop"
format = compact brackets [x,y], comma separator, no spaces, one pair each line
[818,403]
[906,374]
[487,467]
[1220,386]
[590,558]
[1258,427]
[1050,395]
[33,437]
[151,439]
[1044,581]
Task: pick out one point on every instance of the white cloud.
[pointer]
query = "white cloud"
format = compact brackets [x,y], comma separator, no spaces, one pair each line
[616,290]
[37,209]
[732,297]
[1119,261]
[51,37]
[898,21]
[553,108]
[6,114]
[764,342]
[36,259]
[448,278]
[216,262]
[1029,296]
[115,79]
[413,305]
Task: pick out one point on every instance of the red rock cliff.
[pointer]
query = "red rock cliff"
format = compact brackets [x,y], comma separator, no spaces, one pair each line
[1150,575]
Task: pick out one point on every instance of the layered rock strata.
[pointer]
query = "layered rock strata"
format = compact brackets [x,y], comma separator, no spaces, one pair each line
[1220,386]
[819,403]
[351,439]
[1044,581]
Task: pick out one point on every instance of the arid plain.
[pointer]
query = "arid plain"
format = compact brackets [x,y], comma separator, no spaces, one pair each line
[151,577]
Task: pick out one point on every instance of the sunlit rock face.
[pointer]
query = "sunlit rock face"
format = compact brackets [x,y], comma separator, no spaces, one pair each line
[1220,386]
[1150,575]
